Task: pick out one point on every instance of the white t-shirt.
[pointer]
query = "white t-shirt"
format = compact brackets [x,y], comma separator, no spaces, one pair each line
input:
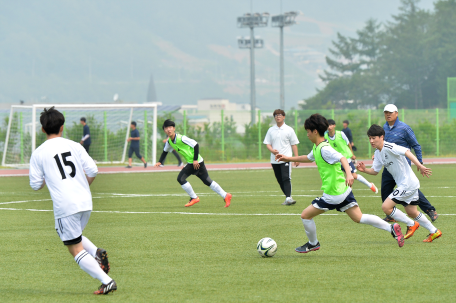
[62,163]
[281,139]
[392,157]
[343,137]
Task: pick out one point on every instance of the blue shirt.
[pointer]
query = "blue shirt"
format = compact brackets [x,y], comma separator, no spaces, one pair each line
[401,134]
[86,131]
[134,134]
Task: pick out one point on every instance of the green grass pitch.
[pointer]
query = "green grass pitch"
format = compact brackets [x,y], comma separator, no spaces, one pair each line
[161,251]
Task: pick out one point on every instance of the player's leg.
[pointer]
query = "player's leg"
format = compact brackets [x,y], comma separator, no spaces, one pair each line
[286,181]
[421,220]
[388,185]
[363,180]
[310,228]
[176,154]
[138,155]
[130,159]
[278,174]
[426,206]
[187,171]
[204,176]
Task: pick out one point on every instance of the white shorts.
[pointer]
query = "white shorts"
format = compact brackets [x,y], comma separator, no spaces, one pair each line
[70,228]
[407,196]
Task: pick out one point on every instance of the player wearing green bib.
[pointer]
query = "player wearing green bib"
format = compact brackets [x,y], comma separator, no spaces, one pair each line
[189,150]
[336,187]
[340,143]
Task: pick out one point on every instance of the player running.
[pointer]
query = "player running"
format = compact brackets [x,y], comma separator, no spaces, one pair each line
[189,150]
[339,141]
[337,193]
[68,171]
[392,157]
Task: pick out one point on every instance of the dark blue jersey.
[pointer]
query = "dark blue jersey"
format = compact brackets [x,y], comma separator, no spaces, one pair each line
[134,134]
[86,131]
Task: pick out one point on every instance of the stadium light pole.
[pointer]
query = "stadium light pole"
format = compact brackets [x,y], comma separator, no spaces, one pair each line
[252,21]
[285,19]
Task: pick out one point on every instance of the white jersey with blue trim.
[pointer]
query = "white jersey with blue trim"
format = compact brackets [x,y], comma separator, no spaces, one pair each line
[392,157]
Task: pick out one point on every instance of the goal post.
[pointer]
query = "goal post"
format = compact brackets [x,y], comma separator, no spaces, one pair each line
[109,130]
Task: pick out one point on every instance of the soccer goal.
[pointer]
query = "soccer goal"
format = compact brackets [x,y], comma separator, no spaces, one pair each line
[109,130]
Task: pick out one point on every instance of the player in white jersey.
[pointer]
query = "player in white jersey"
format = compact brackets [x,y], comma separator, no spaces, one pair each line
[67,170]
[392,157]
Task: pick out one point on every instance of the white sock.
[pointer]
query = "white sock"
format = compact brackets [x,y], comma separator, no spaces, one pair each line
[311,230]
[188,188]
[215,187]
[89,246]
[426,223]
[364,181]
[398,215]
[90,266]
[375,222]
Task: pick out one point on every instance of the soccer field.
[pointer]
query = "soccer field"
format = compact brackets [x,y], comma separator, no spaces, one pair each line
[161,251]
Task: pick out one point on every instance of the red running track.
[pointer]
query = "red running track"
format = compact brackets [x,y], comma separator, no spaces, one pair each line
[229,166]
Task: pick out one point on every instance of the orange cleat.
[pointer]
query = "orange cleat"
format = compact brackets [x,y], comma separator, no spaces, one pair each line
[192,202]
[411,230]
[374,188]
[433,236]
[228,199]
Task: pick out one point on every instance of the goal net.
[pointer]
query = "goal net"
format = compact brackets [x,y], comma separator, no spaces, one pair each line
[109,126]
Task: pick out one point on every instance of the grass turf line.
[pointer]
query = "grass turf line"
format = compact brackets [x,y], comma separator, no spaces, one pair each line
[175,258]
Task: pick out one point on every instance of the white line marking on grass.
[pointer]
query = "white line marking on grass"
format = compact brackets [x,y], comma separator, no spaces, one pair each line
[25,201]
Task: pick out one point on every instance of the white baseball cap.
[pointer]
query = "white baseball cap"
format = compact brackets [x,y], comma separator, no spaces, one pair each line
[390,108]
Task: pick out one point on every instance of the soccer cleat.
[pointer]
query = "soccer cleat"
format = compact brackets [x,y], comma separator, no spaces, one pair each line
[411,230]
[289,201]
[192,202]
[308,247]
[432,214]
[397,234]
[433,236]
[180,164]
[128,166]
[105,289]
[102,258]
[145,165]
[228,199]
[388,219]
[374,188]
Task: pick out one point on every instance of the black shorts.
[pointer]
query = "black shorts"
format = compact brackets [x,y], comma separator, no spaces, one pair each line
[417,202]
[352,167]
[189,170]
[134,149]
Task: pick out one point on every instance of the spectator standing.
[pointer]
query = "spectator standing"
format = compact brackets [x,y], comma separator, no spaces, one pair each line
[86,140]
[134,145]
[348,133]
[399,133]
[282,139]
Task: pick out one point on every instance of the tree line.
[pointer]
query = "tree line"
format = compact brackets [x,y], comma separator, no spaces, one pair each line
[405,61]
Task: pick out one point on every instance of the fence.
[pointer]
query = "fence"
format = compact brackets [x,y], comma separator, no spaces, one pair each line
[227,136]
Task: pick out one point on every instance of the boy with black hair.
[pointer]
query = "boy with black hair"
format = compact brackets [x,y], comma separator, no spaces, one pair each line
[393,158]
[189,150]
[340,143]
[86,140]
[336,188]
[68,171]
[134,145]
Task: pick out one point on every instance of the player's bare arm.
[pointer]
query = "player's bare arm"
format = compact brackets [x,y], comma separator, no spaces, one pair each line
[421,168]
[272,150]
[90,179]
[349,179]
[301,159]
[295,152]
[362,168]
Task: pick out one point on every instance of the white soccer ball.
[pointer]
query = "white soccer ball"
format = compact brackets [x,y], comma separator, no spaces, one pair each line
[267,247]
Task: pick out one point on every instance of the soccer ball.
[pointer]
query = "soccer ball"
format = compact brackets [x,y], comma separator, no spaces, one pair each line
[267,247]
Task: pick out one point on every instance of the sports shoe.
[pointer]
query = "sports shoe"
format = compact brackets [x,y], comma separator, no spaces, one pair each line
[389,219]
[432,214]
[145,165]
[411,230]
[228,199]
[180,164]
[161,165]
[102,258]
[192,202]
[397,234]
[433,236]
[374,188]
[105,289]
[289,201]
[128,166]
[308,247]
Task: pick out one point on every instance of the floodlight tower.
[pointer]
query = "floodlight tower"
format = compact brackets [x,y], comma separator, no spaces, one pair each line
[252,21]
[286,19]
